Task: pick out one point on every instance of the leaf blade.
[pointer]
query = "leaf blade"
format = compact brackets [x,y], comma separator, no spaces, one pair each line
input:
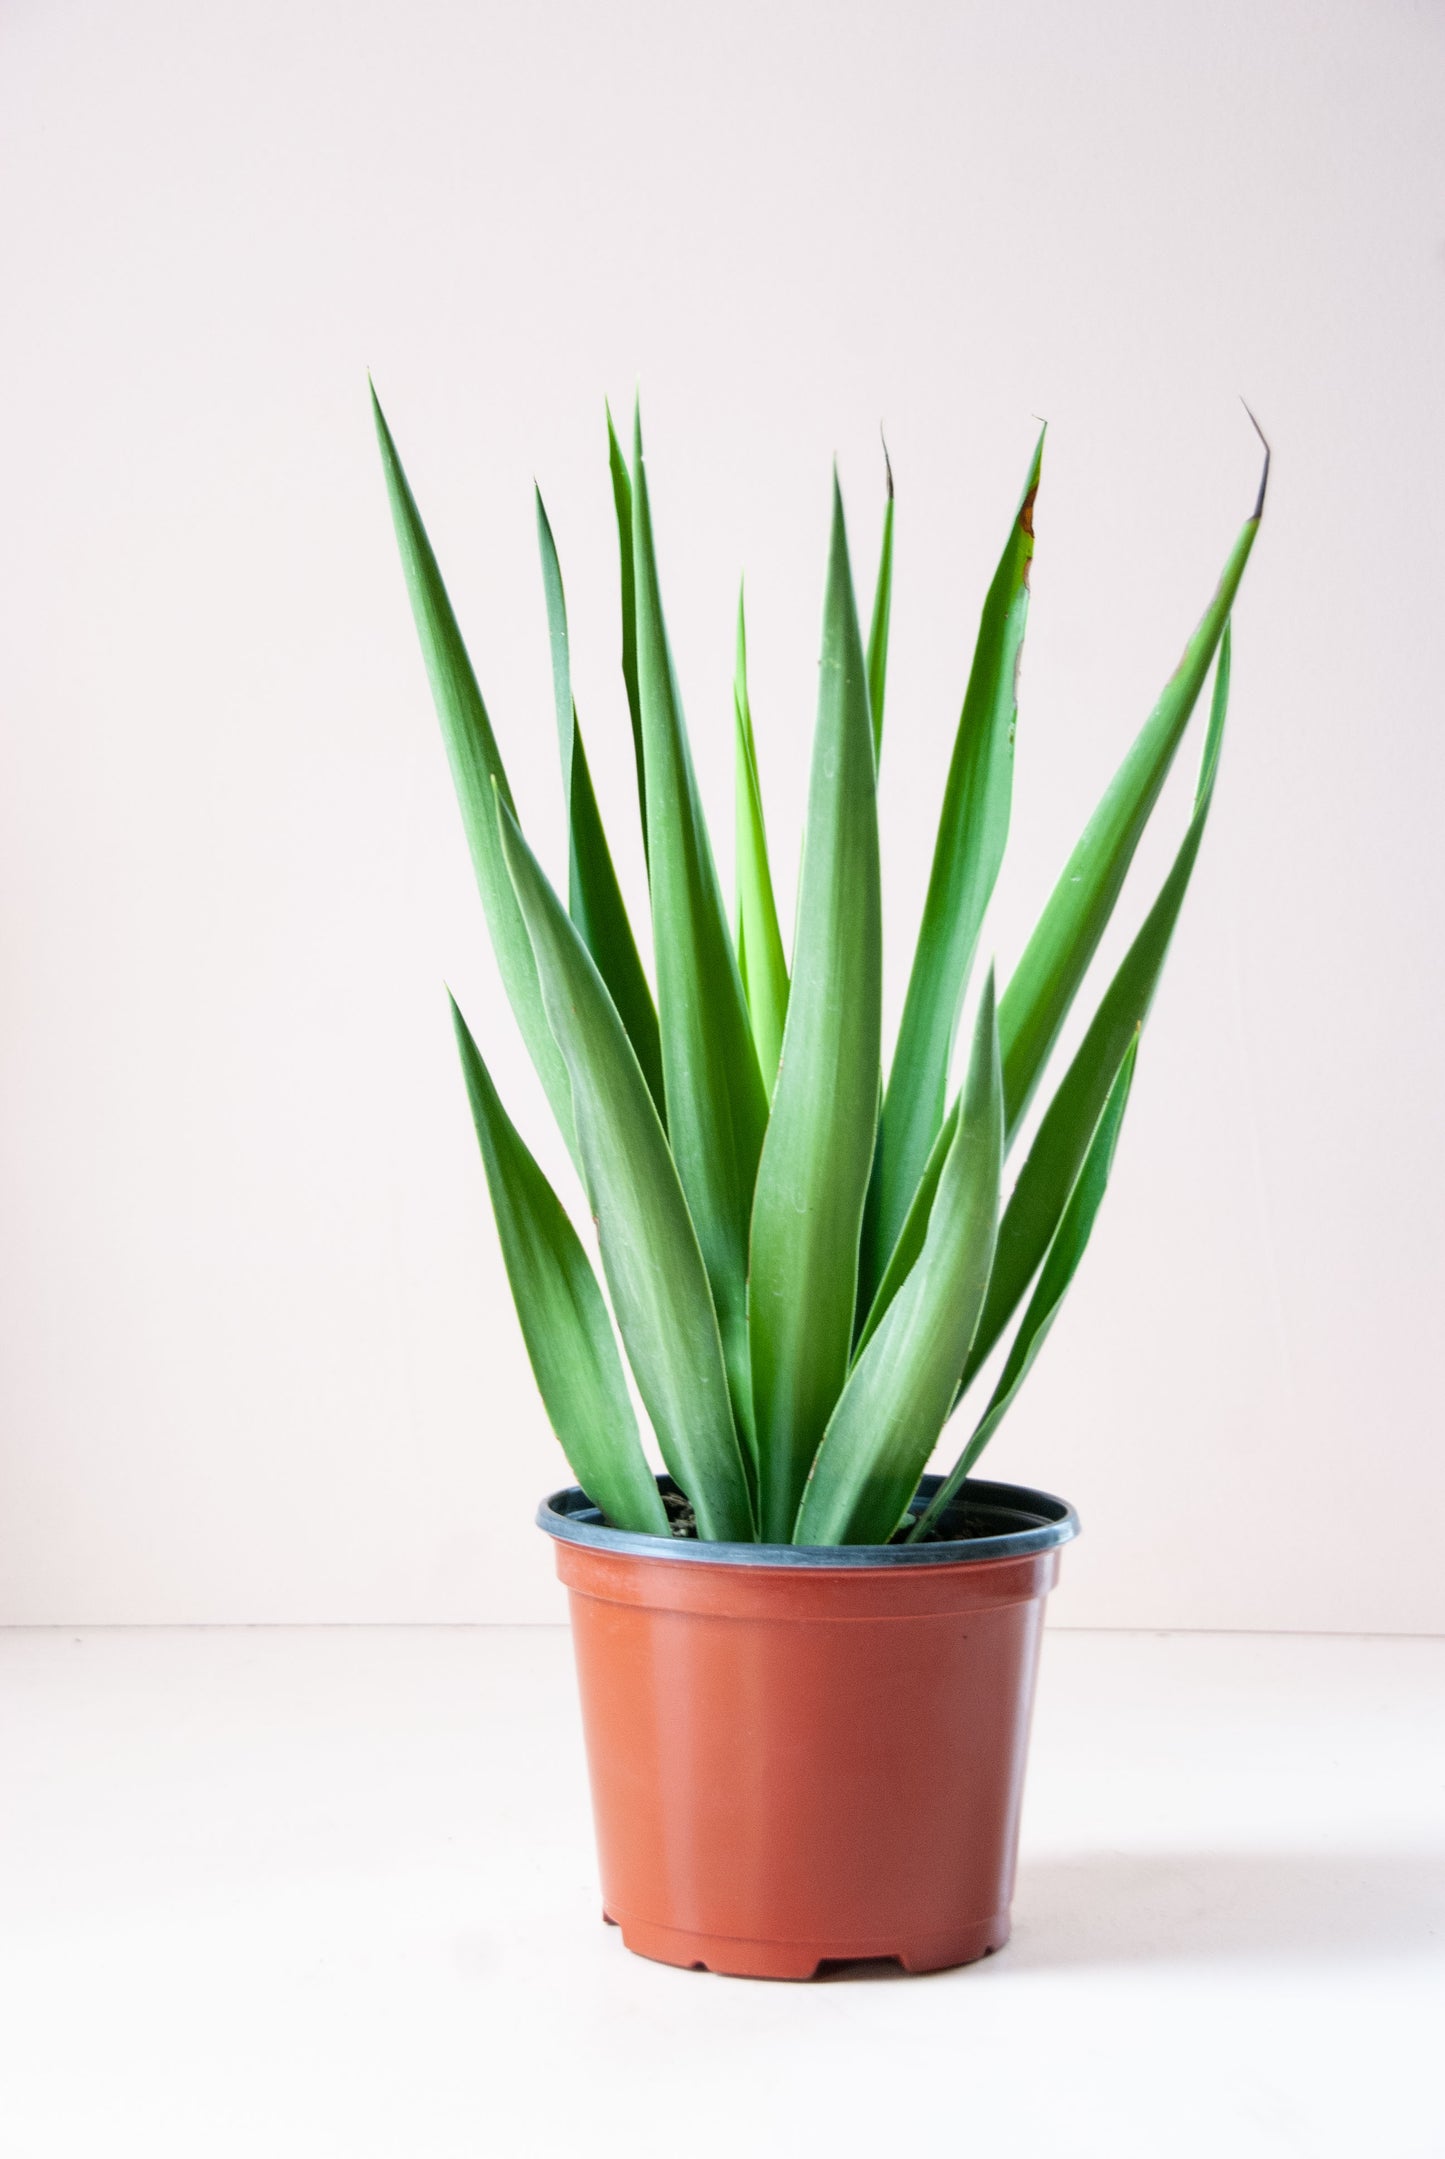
[477,769]
[902,1387]
[622,505]
[1066,936]
[910,1239]
[972,834]
[760,943]
[1065,1252]
[813,1175]
[716,1101]
[881,618]
[564,1321]
[1062,1140]
[650,1252]
[594,896]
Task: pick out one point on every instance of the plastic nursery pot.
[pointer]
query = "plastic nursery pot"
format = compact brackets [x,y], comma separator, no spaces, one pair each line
[801,1755]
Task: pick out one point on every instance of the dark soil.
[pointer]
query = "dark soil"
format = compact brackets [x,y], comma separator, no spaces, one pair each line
[682,1522]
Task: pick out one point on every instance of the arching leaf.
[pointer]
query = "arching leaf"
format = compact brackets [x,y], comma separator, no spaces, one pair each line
[564,1321]
[649,1248]
[478,773]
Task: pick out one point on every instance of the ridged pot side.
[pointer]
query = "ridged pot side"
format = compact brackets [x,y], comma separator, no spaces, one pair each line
[796,1761]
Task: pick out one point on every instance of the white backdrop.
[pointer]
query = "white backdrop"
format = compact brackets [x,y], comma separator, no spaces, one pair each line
[258,1361]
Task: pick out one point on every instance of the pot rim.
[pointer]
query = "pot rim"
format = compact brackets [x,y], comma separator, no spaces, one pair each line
[1028,1521]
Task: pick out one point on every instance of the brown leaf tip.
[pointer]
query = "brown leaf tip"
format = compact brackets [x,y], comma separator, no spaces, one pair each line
[1026,527]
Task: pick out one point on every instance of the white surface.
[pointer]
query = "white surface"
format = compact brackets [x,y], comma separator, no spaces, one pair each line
[257,1359]
[332,1893]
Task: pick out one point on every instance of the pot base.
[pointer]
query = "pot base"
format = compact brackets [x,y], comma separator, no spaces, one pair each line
[737,1959]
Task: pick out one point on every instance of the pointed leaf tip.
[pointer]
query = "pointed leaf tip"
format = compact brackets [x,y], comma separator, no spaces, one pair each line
[477,770]
[1258,511]
[759,940]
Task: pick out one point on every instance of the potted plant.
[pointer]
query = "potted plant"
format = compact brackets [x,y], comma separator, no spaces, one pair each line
[806,1667]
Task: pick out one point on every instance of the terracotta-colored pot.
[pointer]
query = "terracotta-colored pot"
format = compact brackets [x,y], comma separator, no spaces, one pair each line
[805,1754]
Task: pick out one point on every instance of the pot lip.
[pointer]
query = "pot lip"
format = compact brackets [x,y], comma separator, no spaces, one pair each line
[1029,1521]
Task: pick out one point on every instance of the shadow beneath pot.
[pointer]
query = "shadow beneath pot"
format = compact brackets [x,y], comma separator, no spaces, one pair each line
[1102,1908]
[1096,1909]
[834,1970]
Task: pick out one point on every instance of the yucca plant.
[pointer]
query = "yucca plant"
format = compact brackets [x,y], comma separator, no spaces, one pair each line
[809,1256]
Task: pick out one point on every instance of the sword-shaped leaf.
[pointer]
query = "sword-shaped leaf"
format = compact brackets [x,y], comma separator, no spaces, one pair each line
[972,833]
[882,615]
[565,1325]
[902,1387]
[477,773]
[910,1239]
[716,1103]
[1062,1141]
[814,1170]
[760,944]
[649,1249]
[1059,1269]
[596,901]
[622,502]
[1067,934]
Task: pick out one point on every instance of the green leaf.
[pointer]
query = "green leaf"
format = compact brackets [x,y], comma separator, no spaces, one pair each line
[760,945]
[622,502]
[902,1387]
[910,1239]
[882,612]
[972,833]
[1062,1141]
[1068,1248]
[477,769]
[595,898]
[716,1103]
[1057,956]
[650,1251]
[814,1170]
[565,1325]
